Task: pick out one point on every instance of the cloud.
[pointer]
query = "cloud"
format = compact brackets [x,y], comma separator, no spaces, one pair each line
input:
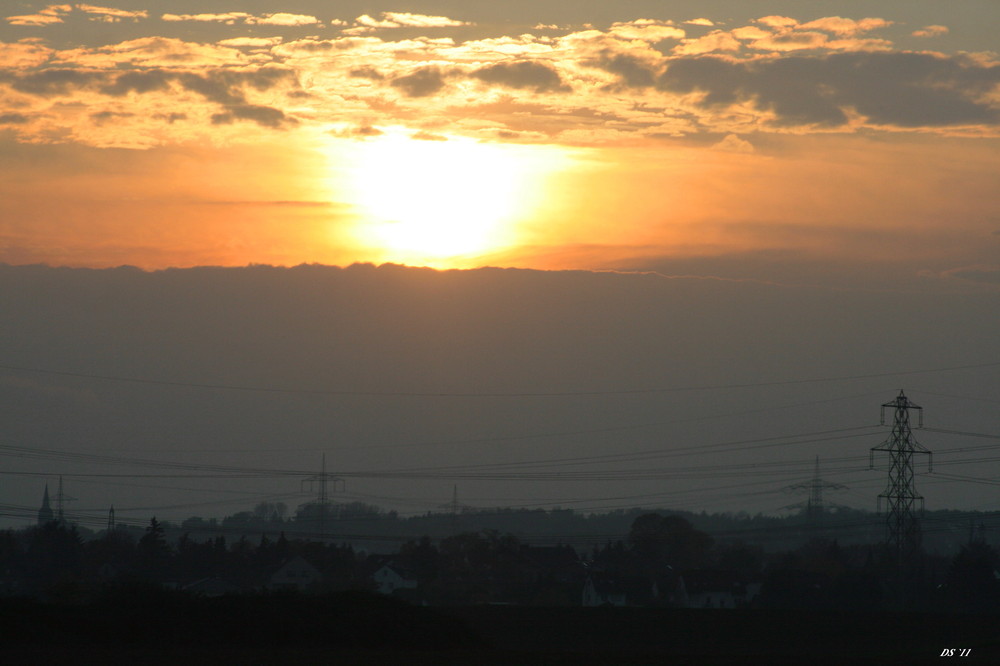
[112,15]
[392,20]
[982,274]
[634,71]
[777,21]
[103,116]
[250,42]
[717,40]
[428,136]
[50,82]
[226,88]
[931,31]
[229,87]
[845,27]
[887,89]
[13,119]
[367,73]
[537,76]
[363,131]
[54,14]
[284,19]
[23,55]
[264,116]
[701,21]
[48,16]
[792,41]
[421,83]
[406,19]
[734,144]
[647,30]
[229,17]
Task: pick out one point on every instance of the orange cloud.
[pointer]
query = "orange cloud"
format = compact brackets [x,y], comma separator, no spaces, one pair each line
[931,31]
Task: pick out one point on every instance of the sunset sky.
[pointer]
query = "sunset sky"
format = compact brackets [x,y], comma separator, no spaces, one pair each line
[720,136]
[704,194]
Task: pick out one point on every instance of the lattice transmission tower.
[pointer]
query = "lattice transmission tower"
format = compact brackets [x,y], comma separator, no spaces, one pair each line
[321,505]
[814,508]
[902,526]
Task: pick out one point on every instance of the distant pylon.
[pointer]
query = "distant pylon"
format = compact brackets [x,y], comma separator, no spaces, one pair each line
[322,503]
[61,499]
[454,509]
[111,519]
[814,507]
[902,526]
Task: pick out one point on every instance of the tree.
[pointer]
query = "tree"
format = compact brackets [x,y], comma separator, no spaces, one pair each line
[661,541]
[153,551]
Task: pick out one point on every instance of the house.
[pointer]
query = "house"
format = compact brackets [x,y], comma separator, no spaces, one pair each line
[295,574]
[389,578]
[599,590]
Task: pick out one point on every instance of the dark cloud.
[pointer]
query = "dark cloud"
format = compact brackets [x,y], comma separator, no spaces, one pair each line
[367,73]
[265,116]
[222,86]
[533,75]
[421,83]
[633,71]
[138,82]
[902,89]
[359,132]
[103,116]
[227,87]
[171,117]
[54,81]
[13,118]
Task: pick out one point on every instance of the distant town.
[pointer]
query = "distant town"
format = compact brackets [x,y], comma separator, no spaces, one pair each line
[831,558]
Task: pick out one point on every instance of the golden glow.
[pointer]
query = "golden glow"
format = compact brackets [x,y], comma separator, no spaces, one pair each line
[437,201]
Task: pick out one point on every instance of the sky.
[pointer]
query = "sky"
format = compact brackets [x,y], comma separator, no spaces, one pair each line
[628,199]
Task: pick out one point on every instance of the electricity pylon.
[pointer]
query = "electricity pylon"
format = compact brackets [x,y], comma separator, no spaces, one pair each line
[322,502]
[902,526]
[814,507]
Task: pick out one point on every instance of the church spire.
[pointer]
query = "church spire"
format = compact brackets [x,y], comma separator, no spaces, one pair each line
[45,514]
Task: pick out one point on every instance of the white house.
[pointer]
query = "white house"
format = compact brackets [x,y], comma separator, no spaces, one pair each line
[389,578]
[295,574]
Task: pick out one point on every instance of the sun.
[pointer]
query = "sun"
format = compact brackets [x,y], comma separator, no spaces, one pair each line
[441,200]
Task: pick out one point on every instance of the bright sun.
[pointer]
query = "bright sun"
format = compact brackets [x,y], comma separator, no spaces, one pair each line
[436,201]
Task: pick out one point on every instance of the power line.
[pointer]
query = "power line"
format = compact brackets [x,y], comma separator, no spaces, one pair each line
[476,394]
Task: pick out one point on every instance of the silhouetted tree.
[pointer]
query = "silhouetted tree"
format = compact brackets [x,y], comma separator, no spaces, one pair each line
[153,552]
[661,541]
[972,579]
[54,555]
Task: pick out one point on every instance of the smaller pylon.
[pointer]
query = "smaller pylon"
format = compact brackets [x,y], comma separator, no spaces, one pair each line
[814,507]
[61,499]
[322,503]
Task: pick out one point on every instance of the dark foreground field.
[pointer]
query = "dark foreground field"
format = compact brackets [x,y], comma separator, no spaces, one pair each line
[154,628]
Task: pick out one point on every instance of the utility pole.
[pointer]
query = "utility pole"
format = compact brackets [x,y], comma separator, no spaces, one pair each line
[902,527]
